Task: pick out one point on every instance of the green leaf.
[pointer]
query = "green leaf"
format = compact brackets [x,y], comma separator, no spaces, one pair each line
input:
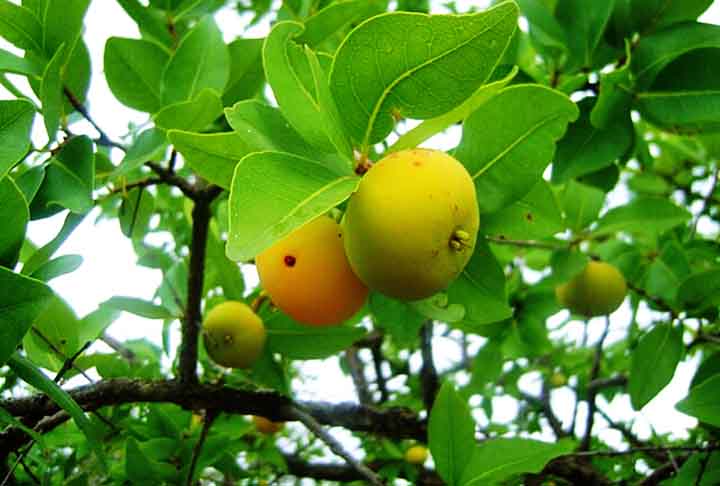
[62,22]
[29,182]
[536,215]
[151,22]
[656,51]
[139,307]
[140,469]
[16,118]
[582,204]
[633,217]
[584,23]
[527,337]
[487,366]
[545,30]
[148,145]
[665,273]
[11,63]
[655,14]
[428,128]
[6,418]
[51,92]
[46,252]
[69,178]
[451,433]
[397,318]
[134,69]
[709,367]
[54,336]
[379,71]
[295,341]
[212,156]
[700,291]
[192,115]
[14,215]
[300,87]
[585,149]
[22,299]
[246,70]
[135,212]
[702,401]
[508,142]
[30,373]
[337,17]
[653,363]
[700,469]
[19,26]
[201,61]
[481,289]
[94,324]
[228,273]
[57,267]
[498,460]
[273,193]
[616,94]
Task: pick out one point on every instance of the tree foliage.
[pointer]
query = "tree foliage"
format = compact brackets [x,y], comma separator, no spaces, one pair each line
[591,130]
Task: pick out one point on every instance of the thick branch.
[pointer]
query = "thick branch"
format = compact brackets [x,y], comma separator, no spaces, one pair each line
[172,179]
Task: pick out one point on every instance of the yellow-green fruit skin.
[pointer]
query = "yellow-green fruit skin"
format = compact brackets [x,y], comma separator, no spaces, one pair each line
[416,454]
[308,277]
[596,291]
[234,336]
[400,222]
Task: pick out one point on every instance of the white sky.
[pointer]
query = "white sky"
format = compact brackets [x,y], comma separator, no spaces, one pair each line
[109,262]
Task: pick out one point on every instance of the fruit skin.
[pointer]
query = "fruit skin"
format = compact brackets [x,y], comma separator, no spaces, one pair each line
[401,224]
[234,336]
[558,379]
[307,275]
[267,426]
[598,290]
[416,454]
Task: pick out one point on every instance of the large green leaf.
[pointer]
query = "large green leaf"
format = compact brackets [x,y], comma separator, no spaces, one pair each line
[139,307]
[54,335]
[451,433]
[481,289]
[200,61]
[633,217]
[379,71]
[295,341]
[498,460]
[616,94]
[545,31]
[57,267]
[43,254]
[135,212]
[133,69]
[51,92]
[22,299]
[14,215]
[273,193]
[300,87]
[584,23]
[246,70]
[62,22]
[585,149]
[20,26]
[337,17]
[148,145]
[536,215]
[653,363]
[192,115]
[397,318]
[32,375]
[582,204]
[16,118]
[702,401]
[509,141]
[648,15]
[700,291]
[213,156]
[11,63]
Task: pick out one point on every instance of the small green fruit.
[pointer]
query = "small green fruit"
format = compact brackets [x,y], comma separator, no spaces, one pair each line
[598,290]
[234,336]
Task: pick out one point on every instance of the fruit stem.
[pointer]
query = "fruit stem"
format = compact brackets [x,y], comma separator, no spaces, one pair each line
[460,240]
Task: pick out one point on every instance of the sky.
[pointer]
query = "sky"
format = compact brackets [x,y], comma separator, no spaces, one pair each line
[109,267]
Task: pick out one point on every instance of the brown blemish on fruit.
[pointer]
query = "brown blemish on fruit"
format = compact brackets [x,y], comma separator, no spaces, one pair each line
[289,260]
[529,216]
[417,163]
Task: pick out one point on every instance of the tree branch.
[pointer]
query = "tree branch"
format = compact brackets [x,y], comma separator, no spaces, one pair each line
[207,423]
[592,392]
[104,139]
[335,446]
[379,376]
[428,374]
[357,373]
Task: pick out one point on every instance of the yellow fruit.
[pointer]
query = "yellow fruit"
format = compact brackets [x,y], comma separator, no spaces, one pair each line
[234,336]
[558,379]
[267,426]
[411,226]
[307,275]
[598,290]
[416,454]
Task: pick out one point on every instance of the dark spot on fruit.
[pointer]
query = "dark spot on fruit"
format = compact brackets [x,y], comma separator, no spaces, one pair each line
[289,260]
[63,341]
[339,235]
[417,163]
[502,237]
[529,216]
[435,252]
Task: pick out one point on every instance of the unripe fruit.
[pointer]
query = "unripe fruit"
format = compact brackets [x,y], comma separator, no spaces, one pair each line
[307,275]
[267,426]
[411,226]
[558,379]
[234,336]
[598,290]
[416,454]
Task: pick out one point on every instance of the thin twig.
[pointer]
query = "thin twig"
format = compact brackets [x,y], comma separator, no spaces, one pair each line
[706,203]
[335,446]
[501,240]
[174,180]
[104,139]
[357,373]
[379,376]
[126,353]
[645,450]
[60,354]
[543,402]
[209,418]
[592,393]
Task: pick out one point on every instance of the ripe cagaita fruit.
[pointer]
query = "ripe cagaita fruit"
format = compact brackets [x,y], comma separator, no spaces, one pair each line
[307,275]
[558,379]
[416,454]
[598,290]
[267,426]
[234,336]
[410,228]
